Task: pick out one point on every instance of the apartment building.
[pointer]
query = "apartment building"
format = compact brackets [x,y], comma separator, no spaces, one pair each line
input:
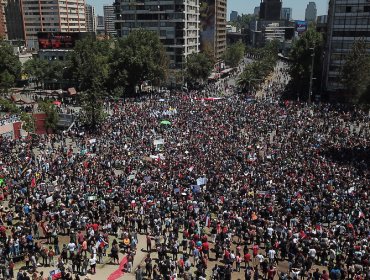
[51,16]
[90,18]
[109,20]
[176,22]
[348,21]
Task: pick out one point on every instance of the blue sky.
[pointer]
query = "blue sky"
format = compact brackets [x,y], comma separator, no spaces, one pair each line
[245,6]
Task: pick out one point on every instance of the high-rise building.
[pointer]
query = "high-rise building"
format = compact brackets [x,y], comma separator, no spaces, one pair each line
[90,18]
[286,13]
[176,22]
[14,22]
[109,20]
[311,12]
[213,26]
[348,21]
[233,15]
[51,16]
[3,30]
[257,11]
[270,10]
[100,26]
[221,21]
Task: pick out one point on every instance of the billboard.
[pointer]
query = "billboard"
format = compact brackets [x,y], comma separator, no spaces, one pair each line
[60,40]
[301,26]
[207,24]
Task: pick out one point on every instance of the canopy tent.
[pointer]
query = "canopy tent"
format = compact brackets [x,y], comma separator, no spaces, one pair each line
[165,122]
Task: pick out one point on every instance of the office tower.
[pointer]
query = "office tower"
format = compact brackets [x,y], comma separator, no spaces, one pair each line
[109,20]
[348,21]
[257,11]
[14,23]
[176,22]
[286,13]
[233,15]
[100,26]
[90,18]
[51,16]
[270,9]
[311,12]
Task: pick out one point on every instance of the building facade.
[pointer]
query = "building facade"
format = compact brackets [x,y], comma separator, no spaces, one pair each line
[348,21]
[51,16]
[14,23]
[176,22]
[3,29]
[286,13]
[233,15]
[311,12]
[270,9]
[100,27]
[109,20]
[256,11]
[221,21]
[90,18]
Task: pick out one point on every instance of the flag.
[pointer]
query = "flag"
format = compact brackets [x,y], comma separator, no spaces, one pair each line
[208,221]
[33,182]
[55,274]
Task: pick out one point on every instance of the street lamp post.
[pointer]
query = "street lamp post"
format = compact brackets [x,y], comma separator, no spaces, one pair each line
[311,75]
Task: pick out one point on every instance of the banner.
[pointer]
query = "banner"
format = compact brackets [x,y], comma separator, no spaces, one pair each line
[202,181]
[49,200]
[120,271]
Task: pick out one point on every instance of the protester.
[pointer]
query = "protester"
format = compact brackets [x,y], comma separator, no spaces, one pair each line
[251,183]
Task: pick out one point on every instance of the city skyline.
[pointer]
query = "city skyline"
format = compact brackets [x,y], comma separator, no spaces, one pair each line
[241,7]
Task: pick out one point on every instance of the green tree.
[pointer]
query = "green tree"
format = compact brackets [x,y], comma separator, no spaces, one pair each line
[28,122]
[198,67]
[355,74]
[36,68]
[92,114]
[138,57]
[310,43]
[88,64]
[52,116]
[234,54]
[10,66]
[8,106]
[256,72]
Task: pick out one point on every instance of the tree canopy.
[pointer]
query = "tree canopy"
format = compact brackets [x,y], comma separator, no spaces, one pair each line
[234,54]
[88,64]
[311,42]
[355,74]
[10,66]
[52,116]
[256,72]
[138,57]
[198,67]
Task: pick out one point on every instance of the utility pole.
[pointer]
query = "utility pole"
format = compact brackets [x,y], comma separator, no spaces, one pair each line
[311,75]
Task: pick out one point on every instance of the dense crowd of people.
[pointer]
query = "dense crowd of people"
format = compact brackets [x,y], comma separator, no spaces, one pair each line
[218,187]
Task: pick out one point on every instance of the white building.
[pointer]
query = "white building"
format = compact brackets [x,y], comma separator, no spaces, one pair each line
[311,12]
[51,16]
[176,21]
[90,18]
[348,21]
[109,20]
